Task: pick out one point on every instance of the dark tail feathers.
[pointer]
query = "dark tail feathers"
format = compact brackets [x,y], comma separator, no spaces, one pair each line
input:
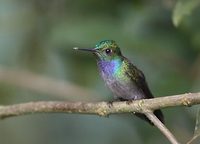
[158,114]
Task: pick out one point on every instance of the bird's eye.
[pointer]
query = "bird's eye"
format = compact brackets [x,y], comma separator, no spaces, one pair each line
[108,51]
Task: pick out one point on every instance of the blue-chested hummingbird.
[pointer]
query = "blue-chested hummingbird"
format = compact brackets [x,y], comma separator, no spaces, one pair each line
[125,80]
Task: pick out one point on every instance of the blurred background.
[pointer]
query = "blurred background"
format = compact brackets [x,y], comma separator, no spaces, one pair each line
[37,62]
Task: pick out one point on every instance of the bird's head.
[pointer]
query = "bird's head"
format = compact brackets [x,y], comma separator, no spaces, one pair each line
[105,50]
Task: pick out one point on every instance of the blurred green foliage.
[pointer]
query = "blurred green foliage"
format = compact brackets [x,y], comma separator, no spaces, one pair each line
[38,35]
[183,8]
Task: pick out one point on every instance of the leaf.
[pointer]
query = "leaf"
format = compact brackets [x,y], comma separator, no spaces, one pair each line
[182,9]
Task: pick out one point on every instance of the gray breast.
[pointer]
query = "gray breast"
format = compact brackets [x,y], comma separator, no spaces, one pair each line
[128,91]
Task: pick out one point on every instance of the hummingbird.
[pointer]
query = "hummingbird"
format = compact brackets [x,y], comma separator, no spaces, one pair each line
[124,79]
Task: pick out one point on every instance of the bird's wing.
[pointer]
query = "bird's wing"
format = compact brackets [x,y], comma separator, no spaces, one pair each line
[138,78]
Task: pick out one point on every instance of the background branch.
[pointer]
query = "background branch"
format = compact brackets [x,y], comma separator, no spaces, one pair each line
[34,82]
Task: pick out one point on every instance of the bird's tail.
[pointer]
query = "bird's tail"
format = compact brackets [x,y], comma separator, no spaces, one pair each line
[157,113]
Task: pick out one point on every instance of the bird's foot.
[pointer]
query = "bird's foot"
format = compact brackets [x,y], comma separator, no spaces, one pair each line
[129,102]
[110,103]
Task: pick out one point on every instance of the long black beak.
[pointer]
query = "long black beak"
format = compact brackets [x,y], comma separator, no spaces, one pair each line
[82,49]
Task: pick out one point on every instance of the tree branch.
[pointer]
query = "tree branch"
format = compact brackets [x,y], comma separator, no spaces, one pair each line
[99,108]
[145,106]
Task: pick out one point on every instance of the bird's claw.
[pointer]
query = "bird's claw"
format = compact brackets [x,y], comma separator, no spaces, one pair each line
[129,102]
[110,103]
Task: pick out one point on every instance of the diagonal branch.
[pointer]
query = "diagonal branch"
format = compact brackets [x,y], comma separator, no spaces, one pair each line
[161,127]
[99,108]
